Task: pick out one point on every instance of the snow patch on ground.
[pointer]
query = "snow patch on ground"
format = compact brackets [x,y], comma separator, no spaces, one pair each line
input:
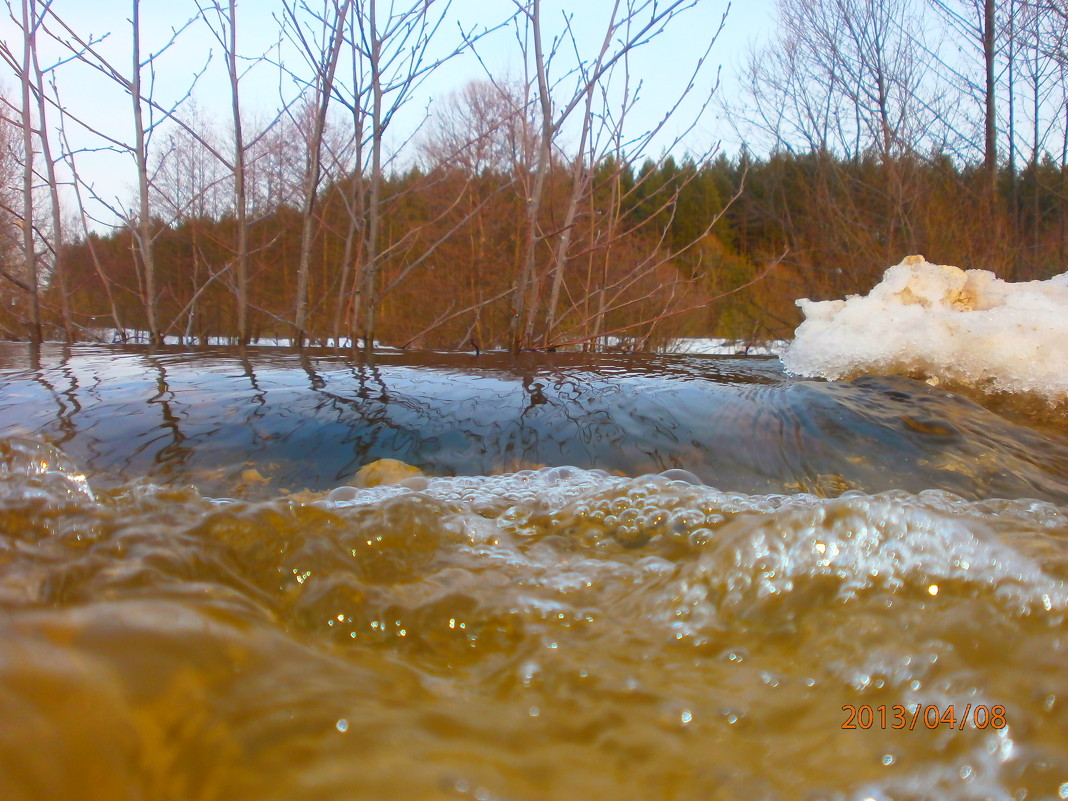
[943,323]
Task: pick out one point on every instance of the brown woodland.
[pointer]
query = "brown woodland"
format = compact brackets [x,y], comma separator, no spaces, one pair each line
[530,212]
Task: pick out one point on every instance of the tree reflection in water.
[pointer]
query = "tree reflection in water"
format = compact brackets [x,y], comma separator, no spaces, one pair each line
[299,421]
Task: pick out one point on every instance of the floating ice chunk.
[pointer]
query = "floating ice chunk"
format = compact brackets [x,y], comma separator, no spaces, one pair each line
[944,323]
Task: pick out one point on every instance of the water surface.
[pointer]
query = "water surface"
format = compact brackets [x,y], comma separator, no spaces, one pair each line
[193,605]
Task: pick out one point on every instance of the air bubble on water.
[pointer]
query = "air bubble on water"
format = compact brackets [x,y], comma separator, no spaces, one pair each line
[685,520]
[735,655]
[631,536]
[655,566]
[701,537]
[681,476]
[416,483]
[558,475]
[769,679]
[343,494]
[652,518]
[529,673]
[342,725]
[595,513]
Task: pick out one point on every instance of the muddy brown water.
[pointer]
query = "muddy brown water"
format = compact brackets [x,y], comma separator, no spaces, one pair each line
[632,578]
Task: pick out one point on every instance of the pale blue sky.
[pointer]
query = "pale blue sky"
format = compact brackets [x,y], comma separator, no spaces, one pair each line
[663,66]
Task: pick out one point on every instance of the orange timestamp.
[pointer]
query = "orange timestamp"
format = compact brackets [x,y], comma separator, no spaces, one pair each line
[929,716]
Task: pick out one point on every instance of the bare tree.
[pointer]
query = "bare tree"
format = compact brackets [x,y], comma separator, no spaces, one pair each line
[610,147]
[28,23]
[12,245]
[318,37]
[845,86]
[275,165]
[975,21]
[630,25]
[842,76]
[483,127]
[69,156]
[144,235]
[58,277]
[222,23]
[146,114]
[393,53]
[38,174]
[187,180]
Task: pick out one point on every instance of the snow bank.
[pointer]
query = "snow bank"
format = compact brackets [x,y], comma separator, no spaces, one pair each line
[943,323]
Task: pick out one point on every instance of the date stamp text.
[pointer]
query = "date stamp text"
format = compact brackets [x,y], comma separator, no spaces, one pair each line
[924,716]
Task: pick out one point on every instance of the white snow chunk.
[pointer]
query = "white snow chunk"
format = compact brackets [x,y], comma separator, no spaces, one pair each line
[946,324]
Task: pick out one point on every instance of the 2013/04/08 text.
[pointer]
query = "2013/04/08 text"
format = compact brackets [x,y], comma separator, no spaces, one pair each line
[931,716]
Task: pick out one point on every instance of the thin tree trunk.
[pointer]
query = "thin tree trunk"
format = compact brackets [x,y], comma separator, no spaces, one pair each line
[356,236]
[240,188]
[59,278]
[105,280]
[526,290]
[29,253]
[613,216]
[374,211]
[143,230]
[580,180]
[324,89]
[343,283]
[991,162]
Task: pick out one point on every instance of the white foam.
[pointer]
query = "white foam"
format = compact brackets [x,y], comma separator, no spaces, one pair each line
[944,323]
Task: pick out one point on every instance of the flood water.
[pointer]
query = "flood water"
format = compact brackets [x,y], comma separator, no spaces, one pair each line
[618,577]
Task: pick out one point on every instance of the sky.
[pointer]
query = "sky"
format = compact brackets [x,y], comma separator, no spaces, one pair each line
[663,66]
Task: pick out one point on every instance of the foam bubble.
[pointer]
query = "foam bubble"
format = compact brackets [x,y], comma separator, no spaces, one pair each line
[963,326]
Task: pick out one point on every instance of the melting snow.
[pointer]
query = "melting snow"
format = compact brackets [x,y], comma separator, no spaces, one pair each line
[945,323]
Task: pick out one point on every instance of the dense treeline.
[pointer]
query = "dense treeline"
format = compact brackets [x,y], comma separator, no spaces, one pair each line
[539,211]
[451,240]
[839,231]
